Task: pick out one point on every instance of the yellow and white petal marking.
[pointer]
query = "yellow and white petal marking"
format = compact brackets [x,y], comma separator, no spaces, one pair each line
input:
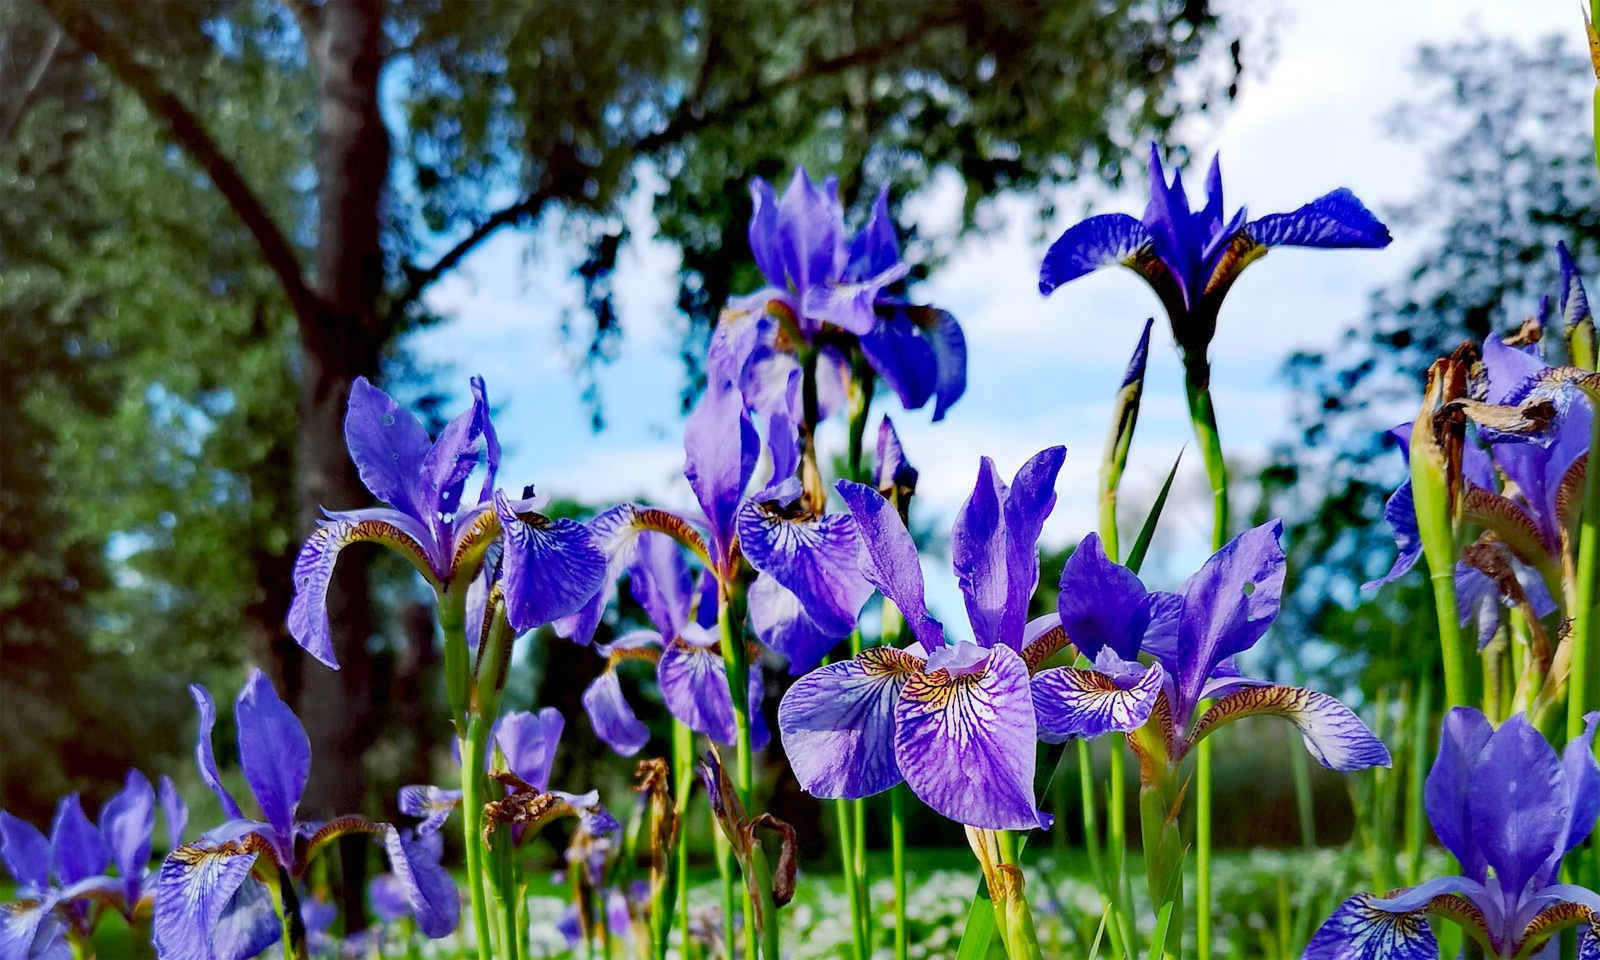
[1331,731]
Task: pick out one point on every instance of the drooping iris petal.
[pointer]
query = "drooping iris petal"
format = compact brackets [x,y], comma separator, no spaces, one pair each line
[1401,513]
[433,804]
[428,886]
[890,562]
[274,752]
[1582,774]
[387,445]
[837,724]
[127,821]
[1462,736]
[248,924]
[1069,702]
[196,888]
[1516,803]
[1360,931]
[613,720]
[77,850]
[1101,241]
[779,620]
[313,568]
[966,744]
[1331,730]
[173,810]
[1102,603]
[204,759]
[720,447]
[816,558]
[950,358]
[529,740]
[29,930]
[694,686]
[1335,219]
[1227,605]
[550,568]
[616,531]
[901,355]
[26,853]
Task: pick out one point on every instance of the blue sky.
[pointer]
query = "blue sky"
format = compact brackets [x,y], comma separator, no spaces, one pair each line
[1308,119]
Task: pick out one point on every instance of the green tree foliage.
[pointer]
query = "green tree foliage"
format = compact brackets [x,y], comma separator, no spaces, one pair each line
[1510,172]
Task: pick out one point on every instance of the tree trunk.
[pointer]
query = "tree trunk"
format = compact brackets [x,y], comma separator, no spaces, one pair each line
[352,168]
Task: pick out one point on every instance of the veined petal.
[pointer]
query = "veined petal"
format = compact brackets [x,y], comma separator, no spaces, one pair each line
[1463,734]
[1516,803]
[906,361]
[1401,512]
[1560,907]
[1102,241]
[1028,504]
[26,853]
[387,445]
[433,804]
[694,686]
[528,741]
[550,568]
[127,821]
[313,569]
[816,558]
[965,744]
[890,560]
[1336,219]
[1069,702]
[1583,784]
[428,887]
[949,354]
[248,924]
[720,447]
[200,886]
[1227,605]
[452,457]
[20,928]
[994,545]
[779,620]
[850,306]
[1358,930]
[763,231]
[77,850]
[1102,603]
[613,720]
[1331,730]
[204,759]
[837,724]
[274,752]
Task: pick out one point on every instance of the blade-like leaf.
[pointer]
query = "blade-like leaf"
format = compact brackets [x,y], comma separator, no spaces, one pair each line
[1142,544]
[1158,938]
[980,926]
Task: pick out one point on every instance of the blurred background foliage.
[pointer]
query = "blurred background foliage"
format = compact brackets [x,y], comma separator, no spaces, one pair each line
[161,441]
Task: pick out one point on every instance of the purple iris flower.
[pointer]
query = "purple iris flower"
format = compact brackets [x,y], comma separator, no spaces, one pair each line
[1191,257]
[826,291]
[525,747]
[209,902]
[1543,476]
[808,589]
[1509,808]
[549,567]
[1190,639]
[954,721]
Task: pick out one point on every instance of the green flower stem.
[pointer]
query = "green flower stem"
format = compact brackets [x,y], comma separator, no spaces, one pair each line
[847,866]
[863,382]
[1300,768]
[506,885]
[768,910]
[1163,859]
[294,928]
[736,662]
[1416,775]
[473,754]
[897,848]
[683,782]
[457,671]
[1585,636]
[724,855]
[1116,842]
[1203,416]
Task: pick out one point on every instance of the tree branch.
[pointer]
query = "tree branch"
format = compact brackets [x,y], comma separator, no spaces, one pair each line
[184,127]
[690,117]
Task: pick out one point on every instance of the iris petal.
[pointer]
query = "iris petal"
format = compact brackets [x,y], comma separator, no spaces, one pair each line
[29,930]
[387,445]
[1102,603]
[1463,734]
[1360,931]
[26,853]
[966,744]
[779,619]
[1517,802]
[196,889]
[173,810]
[433,804]
[127,821]
[204,759]
[720,446]
[1227,605]
[1331,730]
[428,887]
[550,568]
[1334,220]
[1070,702]
[612,718]
[890,560]
[694,686]
[1401,513]
[837,724]
[274,752]
[313,568]
[1102,241]
[529,740]
[906,361]
[814,557]
[950,359]
[77,850]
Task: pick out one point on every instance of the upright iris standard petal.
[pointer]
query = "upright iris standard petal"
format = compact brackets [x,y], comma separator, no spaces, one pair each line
[428,887]
[1102,603]
[694,686]
[837,724]
[763,231]
[1074,703]
[1100,241]
[890,562]
[1331,730]
[26,853]
[810,231]
[77,850]
[1227,605]
[387,445]
[274,752]
[1517,809]
[814,557]
[965,744]
[127,821]
[720,448]
[994,545]
[491,440]
[529,740]
[173,810]
[200,887]
[613,720]
[202,751]
[1028,505]
[892,471]
[1463,734]
[432,804]
[550,568]
[453,456]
